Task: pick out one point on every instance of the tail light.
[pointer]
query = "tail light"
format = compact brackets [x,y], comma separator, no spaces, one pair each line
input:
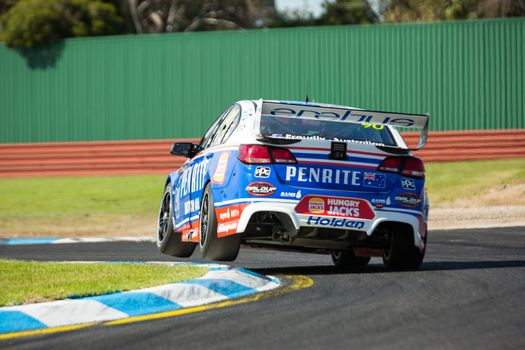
[254,154]
[408,166]
[260,154]
[413,167]
[282,156]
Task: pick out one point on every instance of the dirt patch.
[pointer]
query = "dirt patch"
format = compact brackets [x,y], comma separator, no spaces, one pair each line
[476,217]
[506,195]
[100,226]
[499,207]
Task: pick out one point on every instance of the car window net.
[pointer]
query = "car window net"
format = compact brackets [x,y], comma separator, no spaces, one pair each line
[320,129]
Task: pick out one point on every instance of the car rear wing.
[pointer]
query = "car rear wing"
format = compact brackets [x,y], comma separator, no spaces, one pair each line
[350,115]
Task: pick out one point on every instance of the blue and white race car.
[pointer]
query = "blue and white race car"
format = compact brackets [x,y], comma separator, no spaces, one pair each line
[300,176]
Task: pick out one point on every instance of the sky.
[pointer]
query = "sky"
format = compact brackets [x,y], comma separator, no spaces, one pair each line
[312,6]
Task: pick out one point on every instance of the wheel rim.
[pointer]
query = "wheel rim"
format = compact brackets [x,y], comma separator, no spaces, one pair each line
[164,217]
[204,220]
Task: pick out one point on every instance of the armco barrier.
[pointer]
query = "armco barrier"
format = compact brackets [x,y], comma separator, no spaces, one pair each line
[152,156]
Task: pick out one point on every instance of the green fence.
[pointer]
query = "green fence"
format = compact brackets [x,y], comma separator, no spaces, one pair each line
[467,75]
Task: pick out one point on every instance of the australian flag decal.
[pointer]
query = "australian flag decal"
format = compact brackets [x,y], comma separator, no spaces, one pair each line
[374,180]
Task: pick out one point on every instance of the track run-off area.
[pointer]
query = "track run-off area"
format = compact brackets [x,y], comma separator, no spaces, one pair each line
[468,294]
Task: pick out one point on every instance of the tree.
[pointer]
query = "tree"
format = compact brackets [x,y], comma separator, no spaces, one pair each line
[155,16]
[431,10]
[31,22]
[6,5]
[336,12]
[347,12]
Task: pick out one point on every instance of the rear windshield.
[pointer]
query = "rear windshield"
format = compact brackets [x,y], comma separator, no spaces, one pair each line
[320,129]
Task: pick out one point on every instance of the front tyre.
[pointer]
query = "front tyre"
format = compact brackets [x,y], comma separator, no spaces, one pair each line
[169,241]
[213,247]
[401,254]
[347,260]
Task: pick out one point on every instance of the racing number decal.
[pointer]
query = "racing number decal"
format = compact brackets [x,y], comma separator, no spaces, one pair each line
[374,126]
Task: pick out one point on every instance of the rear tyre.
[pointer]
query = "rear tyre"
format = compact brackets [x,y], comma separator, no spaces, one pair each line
[213,247]
[401,254]
[168,241]
[347,260]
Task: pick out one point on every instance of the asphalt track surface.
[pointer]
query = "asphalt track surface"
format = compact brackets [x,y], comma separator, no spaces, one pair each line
[468,294]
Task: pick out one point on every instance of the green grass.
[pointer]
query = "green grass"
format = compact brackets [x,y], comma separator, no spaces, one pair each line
[28,282]
[81,195]
[63,206]
[448,182]
[127,205]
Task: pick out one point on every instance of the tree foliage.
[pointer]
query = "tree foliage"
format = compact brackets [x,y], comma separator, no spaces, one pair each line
[26,23]
[155,16]
[347,12]
[336,12]
[6,5]
[31,22]
[432,10]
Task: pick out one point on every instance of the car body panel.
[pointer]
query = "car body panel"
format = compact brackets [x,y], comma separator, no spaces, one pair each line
[317,192]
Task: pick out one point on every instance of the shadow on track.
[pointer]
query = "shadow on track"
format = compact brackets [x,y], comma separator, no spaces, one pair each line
[315,270]
[471,265]
[427,266]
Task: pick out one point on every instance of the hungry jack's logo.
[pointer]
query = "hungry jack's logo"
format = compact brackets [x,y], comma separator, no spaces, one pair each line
[316,205]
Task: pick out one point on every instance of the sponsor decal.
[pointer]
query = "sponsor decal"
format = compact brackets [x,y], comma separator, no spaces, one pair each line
[323,175]
[315,137]
[191,206]
[291,194]
[225,228]
[260,189]
[380,202]
[192,179]
[316,205]
[227,218]
[334,222]
[408,199]
[408,184]
[262,172]
[374,180]
[335,206]
[229,214]
[176,194]
[359,116]
[189,236]
[220,172]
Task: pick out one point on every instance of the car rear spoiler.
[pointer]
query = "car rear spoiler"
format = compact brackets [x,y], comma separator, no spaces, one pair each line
[350,115]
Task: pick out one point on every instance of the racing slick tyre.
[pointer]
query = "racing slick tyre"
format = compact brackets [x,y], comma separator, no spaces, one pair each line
[347,260]
[169,241]
[213,247]
[401,254]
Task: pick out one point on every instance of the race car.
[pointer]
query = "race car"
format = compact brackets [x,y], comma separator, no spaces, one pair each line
[300,176]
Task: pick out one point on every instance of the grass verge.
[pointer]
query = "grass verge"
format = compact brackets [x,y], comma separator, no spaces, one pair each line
[28,282]
[467,181]
[127,205]
[80,205]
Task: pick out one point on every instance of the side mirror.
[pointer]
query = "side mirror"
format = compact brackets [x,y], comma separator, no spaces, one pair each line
[185,149]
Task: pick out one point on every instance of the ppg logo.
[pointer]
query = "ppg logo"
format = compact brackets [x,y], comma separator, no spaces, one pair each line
[262,171]
[408,184]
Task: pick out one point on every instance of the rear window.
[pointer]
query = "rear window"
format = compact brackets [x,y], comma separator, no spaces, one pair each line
[321,129]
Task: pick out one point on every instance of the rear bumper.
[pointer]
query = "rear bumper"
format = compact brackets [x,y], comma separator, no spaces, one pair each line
[294,221]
